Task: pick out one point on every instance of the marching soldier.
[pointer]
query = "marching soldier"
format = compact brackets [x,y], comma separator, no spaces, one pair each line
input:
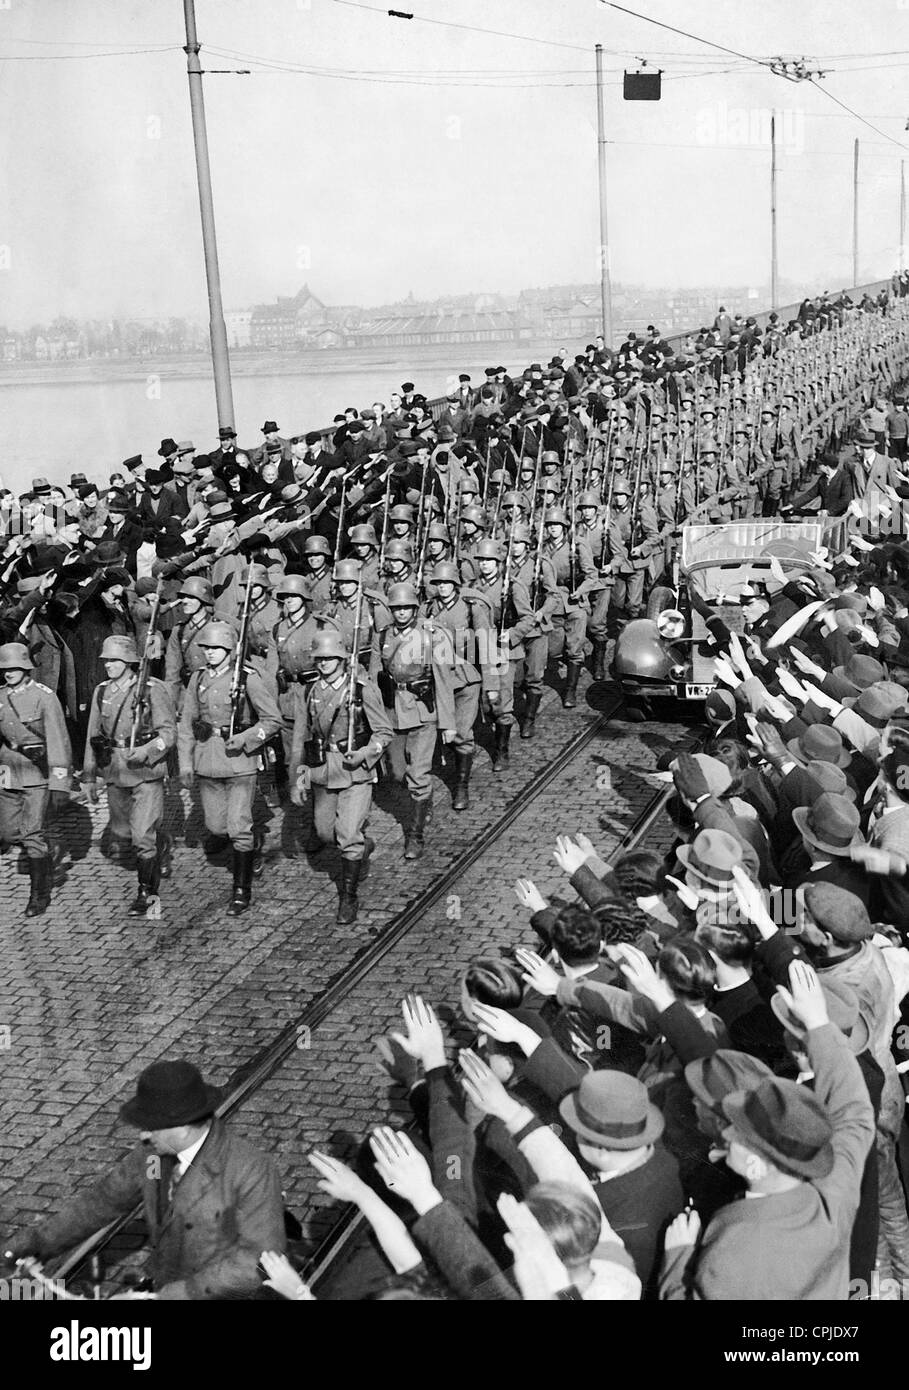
[463,617]
[438,544]
[35,759]
[130,733]
[226,763]
[399,564]
[336,749]
[353,611]
[183,655]
[364,547]
[401,522]
[317,557]
[410,663]
[535,598]
[628,541]
[293,636]
[591,528]
[575,576]
[263,618]
[505,651]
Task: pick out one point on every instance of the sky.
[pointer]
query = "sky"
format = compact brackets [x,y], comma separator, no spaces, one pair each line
[373,157]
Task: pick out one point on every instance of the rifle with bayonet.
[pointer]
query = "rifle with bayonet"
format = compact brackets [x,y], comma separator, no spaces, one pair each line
[141,702]
[238,675]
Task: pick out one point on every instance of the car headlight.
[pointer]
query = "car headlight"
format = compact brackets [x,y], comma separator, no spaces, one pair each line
[671,624]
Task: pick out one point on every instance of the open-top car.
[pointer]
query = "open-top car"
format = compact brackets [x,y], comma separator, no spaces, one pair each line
[664,655]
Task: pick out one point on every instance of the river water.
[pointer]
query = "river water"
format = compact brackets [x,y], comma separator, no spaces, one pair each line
[65,423]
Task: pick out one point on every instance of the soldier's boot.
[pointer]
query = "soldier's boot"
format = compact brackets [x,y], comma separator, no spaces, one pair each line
[570,697]
[528,728]
[461,799]
[165,854]
[413,844]
[258,857]
[242,891]
[39,872]
[368,848]
[599,660]
[347,897]
[500,758]
[149,876]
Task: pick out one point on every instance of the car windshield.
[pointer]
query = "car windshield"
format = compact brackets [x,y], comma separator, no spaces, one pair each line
[747,541]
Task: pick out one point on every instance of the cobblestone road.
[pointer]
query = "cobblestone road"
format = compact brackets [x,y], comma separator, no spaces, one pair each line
[89,996]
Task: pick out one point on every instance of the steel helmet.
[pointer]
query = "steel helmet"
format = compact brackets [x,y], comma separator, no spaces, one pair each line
[556,517]
[217,635]
[403,596]
[500,475]
[621,488]
[363,535]
[292,584]
[489,550]
[402,512]
[347,569]
[399,550]
[260,576]
[550,456]
[14,657]
[193,587]
[316,545]
[328,643]
[588,499]
[515,499]
[445,572]
[438,531]
[119,649]
[468,485]
[521,533]
[474,514]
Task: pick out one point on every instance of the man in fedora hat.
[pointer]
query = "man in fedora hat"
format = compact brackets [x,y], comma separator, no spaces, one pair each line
[830,828]
[212,1203]
[802,1156]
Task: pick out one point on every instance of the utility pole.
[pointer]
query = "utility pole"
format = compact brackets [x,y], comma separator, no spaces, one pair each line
[902,215]
[855,244]
[219,354]
[774,276]
[605,285]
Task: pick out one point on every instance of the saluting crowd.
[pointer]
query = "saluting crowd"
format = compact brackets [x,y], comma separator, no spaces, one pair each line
[685,1082]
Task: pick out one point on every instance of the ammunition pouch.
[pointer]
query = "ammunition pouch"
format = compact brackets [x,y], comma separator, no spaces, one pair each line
[314,751]
[422,689]
[103,750]
[202,730]
[37,754]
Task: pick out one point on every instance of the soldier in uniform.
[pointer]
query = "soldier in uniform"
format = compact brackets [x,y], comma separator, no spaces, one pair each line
[410,663]
[349,608]
[575,576]
[293,637]
[473,527]
[534,600]
[226,764]
[263,619]
[399,568]
[364,547]
[591,528]
[401,522]
[35,759]
[317,557]
[463,618]
[628,558]
[340,771]
[505,652]
[183,655]
[135,780]
[438,544]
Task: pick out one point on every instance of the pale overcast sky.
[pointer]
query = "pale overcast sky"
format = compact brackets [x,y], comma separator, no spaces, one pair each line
[467,162]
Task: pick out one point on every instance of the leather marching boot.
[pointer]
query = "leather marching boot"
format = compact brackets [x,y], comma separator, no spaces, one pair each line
[347,897]
[500,759]
[570,698]
[149,876]
[413,844]
[39,872]
[243,870]
[599,660]
[461,799]
[165,854]
[528,727]
[258,859]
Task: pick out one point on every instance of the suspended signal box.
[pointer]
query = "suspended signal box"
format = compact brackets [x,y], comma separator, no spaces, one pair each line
[642,86]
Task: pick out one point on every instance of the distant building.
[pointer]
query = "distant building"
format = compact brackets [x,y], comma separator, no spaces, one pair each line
[427,329]
[239,328]
[287,323]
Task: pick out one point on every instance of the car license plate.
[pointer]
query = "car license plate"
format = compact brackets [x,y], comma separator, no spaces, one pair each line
[698,692]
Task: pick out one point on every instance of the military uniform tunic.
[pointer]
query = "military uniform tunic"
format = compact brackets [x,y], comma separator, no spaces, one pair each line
[30,716]
[135,789]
